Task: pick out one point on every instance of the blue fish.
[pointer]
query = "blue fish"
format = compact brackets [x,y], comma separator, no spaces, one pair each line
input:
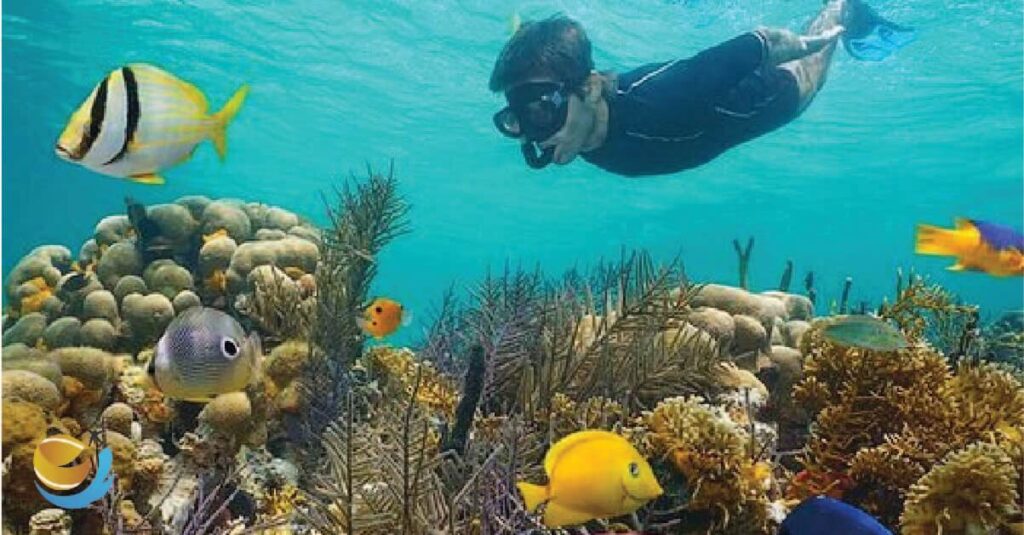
[822,515]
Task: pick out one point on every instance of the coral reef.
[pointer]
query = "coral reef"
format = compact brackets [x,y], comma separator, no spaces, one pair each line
[740,403]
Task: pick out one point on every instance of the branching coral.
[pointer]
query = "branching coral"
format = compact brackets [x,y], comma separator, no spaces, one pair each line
[584,338]
[972,491]
[279,306]
[923,310]
[397,370]
[883,420]
[367,216]
[710,450]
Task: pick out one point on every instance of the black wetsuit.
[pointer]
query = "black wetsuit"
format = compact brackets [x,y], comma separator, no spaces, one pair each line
[676,115]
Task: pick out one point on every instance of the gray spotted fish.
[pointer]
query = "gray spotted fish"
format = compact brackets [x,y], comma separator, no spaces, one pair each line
[141,120]
[865,332]
[204,353]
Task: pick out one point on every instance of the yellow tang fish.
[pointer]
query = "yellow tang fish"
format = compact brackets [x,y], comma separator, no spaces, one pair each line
[977,246]
[141,120]
[591,474]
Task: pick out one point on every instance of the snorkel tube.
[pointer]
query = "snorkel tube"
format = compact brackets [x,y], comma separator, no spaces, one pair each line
[535,157]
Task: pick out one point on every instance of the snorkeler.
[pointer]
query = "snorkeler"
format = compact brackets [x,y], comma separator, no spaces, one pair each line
[666,117]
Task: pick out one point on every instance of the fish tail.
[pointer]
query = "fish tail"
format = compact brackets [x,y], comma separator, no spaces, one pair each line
[533,495]
[939,241]
[223,117]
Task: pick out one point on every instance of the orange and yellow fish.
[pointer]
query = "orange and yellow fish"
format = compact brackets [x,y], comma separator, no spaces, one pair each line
[977,246]
[383,317]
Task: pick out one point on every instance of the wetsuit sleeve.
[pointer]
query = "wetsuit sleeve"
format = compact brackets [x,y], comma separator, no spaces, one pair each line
[721,67]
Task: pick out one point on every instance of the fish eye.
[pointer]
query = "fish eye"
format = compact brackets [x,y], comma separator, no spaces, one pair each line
[229,348]
[634,469]
[379,310]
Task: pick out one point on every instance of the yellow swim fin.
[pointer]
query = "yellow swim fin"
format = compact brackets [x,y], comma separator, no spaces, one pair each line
[221,119]
[533,495]
[150,179]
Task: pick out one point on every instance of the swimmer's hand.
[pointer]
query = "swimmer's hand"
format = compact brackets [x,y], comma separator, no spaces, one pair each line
[784,45]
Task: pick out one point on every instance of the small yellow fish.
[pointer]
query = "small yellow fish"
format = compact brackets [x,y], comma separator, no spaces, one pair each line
[977,246]
[219,233]
[383,317]
[591,474]
[141,120]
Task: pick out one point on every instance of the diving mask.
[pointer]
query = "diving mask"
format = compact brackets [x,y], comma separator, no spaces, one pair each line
[535,111]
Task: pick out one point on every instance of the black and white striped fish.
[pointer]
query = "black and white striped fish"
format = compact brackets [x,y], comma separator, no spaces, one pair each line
[141,120]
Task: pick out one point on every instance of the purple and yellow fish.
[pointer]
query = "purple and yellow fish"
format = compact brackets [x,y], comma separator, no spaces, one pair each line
[977,246]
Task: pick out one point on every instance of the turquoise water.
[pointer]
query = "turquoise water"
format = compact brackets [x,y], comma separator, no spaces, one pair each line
[933,133]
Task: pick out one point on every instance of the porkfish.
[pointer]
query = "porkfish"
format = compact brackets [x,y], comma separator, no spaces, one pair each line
[591,474]
[140,121]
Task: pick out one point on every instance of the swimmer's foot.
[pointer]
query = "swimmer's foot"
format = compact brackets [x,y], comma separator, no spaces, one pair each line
[869,36]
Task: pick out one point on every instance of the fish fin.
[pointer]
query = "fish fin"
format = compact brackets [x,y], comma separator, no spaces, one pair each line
[871,37]
[223,117]
[556,515]
[199,399]
[939,241]
[956,267]
[533,495]
[962,223]
[407,318]
[257,346]
[150,179]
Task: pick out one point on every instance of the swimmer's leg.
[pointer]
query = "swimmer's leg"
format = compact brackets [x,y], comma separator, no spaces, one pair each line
[810,71]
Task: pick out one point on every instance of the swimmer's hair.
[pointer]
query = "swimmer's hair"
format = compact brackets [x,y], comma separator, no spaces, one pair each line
[555,47]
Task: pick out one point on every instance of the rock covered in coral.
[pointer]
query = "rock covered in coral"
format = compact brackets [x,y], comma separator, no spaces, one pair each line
[28,330]
[118,417]
[119,260]
[739,301]
[101,304]
[112,229]
[749,335]
[50,522]
[21,357]
[175,222]
[285,253]
[99,333]
[63,332]
[230,413]
[227,216]
[167,277]
[32,387]
[184,300]
[147,316]
[129,284]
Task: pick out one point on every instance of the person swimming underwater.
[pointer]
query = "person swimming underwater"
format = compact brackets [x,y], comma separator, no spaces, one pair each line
[670,116]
